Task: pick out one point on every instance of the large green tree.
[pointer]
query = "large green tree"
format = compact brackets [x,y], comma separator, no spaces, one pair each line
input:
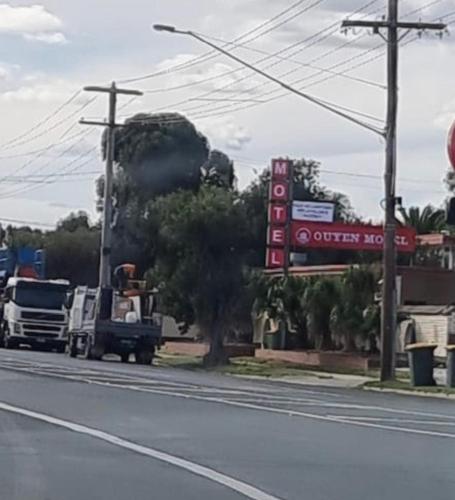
[156,154]
[200,261]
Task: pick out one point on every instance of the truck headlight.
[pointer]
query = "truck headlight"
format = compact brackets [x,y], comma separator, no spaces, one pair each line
[17,328]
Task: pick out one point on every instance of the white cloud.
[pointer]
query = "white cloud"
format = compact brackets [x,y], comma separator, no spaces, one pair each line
[227,133]
[41,91]
[33,22]
[56,38]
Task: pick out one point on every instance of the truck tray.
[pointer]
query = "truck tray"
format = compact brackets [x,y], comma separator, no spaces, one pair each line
[125,330]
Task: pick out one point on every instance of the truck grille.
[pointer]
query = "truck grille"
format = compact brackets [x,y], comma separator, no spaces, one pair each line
[42,316]
[40,334]
[41,328]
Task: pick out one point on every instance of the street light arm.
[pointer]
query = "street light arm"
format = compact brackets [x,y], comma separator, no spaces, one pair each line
[314,100]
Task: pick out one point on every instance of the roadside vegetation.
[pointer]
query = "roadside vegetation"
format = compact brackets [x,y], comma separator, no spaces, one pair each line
[180,217]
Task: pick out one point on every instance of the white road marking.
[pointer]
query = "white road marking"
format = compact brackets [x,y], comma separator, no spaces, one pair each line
[290,412]
[234,484]
[394,420]
[294,413]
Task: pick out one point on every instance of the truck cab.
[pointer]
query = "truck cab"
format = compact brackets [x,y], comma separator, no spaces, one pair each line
[34,314]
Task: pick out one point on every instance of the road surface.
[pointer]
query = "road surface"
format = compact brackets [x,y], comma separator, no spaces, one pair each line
[72,429]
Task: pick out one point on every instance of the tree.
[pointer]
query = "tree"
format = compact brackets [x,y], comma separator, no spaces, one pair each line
[200,261]
[160,153]
[347,318]
[72,250]
[73,255]
[321,296]
[424,221]
[156,154]
[283,299]
[74,221]
[23,236]
[218,170]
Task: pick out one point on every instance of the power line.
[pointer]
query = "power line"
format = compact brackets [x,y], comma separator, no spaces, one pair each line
[257,164]
[44,182]
[44,120]
[211,54]
[299,63]
[218,111]
[42,167]
[55,125]
[298,46]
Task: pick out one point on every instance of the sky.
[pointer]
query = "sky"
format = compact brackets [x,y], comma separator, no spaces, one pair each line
[50,49]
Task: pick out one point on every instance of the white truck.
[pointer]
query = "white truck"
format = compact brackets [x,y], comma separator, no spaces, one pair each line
[34,314]
[133,327]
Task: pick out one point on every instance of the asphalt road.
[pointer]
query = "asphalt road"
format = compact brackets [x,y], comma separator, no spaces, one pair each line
[75,429]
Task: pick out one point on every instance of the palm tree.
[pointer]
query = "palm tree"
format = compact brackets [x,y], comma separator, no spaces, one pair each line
[347,321]
[320,298]
[427,220]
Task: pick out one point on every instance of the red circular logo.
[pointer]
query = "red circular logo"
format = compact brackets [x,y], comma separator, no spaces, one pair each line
[303,236]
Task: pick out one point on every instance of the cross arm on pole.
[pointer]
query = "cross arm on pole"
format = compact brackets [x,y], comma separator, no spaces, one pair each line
[376,25]
[112,89]
[100,124]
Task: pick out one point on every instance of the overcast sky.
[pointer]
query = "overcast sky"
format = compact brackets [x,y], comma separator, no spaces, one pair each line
[50,49]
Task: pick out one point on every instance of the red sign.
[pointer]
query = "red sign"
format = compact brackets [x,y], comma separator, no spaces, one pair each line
[277,214]
[275,257]
[280,169]
[451,145]
[279,191]
[277,236]
[348,237]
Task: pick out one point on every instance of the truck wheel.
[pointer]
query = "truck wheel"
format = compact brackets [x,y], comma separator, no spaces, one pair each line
[61,349]
[87,352]
[125,357]
[72,347]
[97,352]
[144,357]
[10,344]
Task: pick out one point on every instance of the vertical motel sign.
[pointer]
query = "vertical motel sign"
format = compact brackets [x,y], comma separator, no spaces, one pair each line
[277,255]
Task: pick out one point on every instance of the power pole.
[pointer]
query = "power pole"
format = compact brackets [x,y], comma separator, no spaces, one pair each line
[389,296]
[110,125]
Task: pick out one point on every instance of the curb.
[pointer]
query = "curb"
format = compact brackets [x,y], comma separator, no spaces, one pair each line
[326,382]
[404,392]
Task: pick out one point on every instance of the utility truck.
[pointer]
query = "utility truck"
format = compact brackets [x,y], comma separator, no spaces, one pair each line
[132,326]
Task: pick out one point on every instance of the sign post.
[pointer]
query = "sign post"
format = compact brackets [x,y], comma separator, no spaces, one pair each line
[279,215]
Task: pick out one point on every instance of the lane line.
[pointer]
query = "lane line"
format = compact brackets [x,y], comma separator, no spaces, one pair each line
[294,413]
[121,373]
[395,420]
[244,489]
[290,412]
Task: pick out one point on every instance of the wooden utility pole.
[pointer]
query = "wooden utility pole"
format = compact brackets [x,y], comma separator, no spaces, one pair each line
[105,278]
[110,125]
[391,25]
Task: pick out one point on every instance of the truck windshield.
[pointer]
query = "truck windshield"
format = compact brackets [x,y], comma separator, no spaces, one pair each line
[39,296]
